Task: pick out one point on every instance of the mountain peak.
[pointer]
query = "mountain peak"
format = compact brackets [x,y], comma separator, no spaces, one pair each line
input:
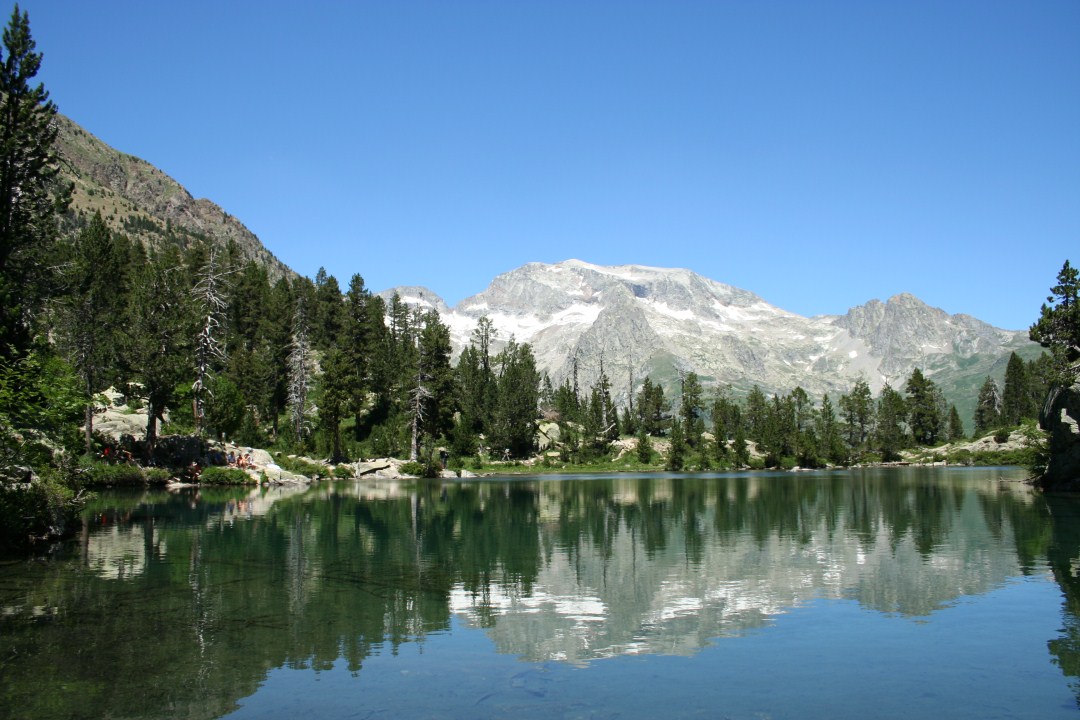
[661,322]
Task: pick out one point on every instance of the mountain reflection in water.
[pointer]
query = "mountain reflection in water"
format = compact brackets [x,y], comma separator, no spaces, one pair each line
[180,604]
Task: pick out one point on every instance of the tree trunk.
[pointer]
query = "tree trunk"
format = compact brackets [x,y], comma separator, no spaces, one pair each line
[151,431]
[88,430]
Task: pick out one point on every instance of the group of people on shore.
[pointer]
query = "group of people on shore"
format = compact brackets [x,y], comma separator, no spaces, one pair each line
[238,460]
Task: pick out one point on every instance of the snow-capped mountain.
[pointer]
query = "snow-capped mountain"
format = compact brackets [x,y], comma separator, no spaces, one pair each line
[658,322]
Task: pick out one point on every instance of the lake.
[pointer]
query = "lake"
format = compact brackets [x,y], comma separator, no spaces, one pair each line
[871,593]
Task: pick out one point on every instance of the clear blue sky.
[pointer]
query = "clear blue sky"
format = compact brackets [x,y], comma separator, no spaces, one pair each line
[819,154]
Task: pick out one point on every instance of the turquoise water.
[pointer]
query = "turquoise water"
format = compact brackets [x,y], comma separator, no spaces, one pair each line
[893,593]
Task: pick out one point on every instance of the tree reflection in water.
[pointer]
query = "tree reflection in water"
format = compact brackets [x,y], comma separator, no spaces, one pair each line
[180,604]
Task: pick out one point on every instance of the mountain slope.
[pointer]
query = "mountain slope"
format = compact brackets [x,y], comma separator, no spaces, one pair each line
[660,322]
[137,199]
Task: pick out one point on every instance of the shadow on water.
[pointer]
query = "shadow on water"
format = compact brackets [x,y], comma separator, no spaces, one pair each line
[180,605]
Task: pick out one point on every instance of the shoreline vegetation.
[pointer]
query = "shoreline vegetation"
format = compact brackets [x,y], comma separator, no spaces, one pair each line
[1013,448]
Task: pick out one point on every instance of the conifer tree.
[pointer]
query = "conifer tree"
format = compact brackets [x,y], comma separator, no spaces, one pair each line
[691,409]
[987,407]
[828,433]
[653,408]
[91,311]
[925,416]
[209,299]
[677,454]
[300,361]
[857,412]
[1015,398]
[726,414]
[31,196]
[514,420]
[435,350]
[160,322]
[644,446]
[756,415]
[362,342]
[889,431]
[1058,326]
[956,425]
[739,448]
[333,399]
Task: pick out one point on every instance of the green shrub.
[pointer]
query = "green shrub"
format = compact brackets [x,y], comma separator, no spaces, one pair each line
[300,466]
[215,475]
[962,457]
[99,474]
[1001,436]
[412,468]
[344,472]
[45,508]
[158,476]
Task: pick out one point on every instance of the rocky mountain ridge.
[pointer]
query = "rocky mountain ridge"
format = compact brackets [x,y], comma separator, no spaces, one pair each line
[643,321]
[139,200]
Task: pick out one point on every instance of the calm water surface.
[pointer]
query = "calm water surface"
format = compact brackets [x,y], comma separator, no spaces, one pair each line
[863,594]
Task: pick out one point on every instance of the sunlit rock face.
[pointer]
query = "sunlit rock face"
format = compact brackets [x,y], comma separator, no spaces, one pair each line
[645,321]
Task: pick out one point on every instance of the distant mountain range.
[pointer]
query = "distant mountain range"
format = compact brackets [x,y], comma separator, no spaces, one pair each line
[644,321]
[637,321]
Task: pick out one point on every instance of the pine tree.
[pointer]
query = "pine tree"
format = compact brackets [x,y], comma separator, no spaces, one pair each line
[326,312]
[739,447]
[925,416]
[726,415]
[209,299]
[1015,399]
[274,346]
[430,407]
[333,399]
[653,408]
[756,415]
[828,432]
[31,197]
[90,313]
[1058,326]
[889,432]
[1041,374]
[644,446]
[987,407]
[300,370]
[677,454]
[518,398]
[857,412]
[691,409]
[956,425]
[160,322]
[566,403]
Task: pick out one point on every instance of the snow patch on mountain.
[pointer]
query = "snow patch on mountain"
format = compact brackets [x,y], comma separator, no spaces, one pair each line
[645,321]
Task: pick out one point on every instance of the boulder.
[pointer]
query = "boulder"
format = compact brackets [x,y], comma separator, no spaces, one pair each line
[1061,419]
[547,434]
